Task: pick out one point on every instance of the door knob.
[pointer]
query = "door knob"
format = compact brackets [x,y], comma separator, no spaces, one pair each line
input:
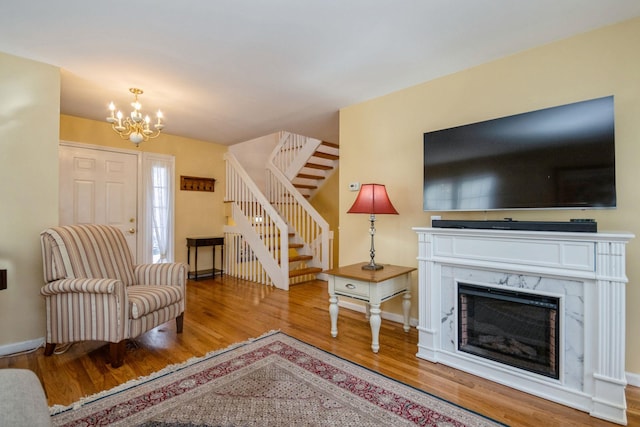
[132,231]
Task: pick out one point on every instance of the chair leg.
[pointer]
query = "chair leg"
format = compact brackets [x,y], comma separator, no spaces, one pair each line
[49,348]
[179,322]
[116,353]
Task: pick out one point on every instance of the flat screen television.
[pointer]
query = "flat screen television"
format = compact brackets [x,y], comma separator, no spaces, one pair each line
[556,158]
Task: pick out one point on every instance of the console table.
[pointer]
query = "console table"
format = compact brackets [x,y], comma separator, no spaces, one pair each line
[373,287]
[198,242]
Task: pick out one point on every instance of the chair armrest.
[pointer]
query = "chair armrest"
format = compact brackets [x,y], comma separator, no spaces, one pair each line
[174,274]
[92,286]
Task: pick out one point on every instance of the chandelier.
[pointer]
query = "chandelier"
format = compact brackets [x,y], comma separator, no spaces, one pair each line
[134,127]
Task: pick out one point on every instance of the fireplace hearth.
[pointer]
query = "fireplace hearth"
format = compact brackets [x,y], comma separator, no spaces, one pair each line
[538,311]
[519,329]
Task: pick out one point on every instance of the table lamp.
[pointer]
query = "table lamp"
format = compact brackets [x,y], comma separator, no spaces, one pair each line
[372,199]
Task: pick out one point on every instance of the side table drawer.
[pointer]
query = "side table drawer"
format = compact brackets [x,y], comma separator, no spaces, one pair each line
[350,287]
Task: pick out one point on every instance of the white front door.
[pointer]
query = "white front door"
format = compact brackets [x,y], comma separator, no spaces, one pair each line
[99,187]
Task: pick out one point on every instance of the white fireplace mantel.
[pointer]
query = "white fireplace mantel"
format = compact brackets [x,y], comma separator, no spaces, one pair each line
[586,271]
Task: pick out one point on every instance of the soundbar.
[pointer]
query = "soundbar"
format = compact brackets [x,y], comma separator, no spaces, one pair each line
[575,225]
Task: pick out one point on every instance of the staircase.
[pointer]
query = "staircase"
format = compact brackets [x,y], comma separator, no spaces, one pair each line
[318,167]
[277,238]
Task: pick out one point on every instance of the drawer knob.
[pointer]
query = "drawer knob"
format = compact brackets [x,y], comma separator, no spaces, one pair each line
[350,286]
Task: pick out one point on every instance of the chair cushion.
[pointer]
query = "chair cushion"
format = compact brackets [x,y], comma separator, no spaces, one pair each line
[145,299]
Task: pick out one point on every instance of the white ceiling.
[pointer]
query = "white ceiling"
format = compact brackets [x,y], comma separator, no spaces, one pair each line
[227,71]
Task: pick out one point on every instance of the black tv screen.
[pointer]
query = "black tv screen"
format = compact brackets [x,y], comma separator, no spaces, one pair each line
[556,158]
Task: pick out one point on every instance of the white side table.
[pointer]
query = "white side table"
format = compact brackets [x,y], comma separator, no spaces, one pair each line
[373,287]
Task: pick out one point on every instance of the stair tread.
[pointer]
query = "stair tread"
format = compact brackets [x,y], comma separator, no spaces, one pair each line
[309,176]
[317,166]
[329,144]
[291,246]
[327,156]
[297,258]
[307,186]
[304,271]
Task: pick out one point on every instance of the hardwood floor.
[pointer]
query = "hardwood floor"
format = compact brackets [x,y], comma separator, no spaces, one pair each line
[224,311]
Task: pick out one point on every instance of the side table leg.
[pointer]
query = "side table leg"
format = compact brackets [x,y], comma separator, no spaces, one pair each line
[375,321]
[333,313]
[406,307]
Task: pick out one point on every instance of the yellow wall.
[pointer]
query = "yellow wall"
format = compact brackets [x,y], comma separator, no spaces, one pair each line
[29,116]
[197,213]
[326,202]
[381,141]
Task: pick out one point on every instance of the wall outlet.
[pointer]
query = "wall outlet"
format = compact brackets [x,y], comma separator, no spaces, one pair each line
[354,186]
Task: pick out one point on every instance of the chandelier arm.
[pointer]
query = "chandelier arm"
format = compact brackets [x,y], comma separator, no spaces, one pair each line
[124,134]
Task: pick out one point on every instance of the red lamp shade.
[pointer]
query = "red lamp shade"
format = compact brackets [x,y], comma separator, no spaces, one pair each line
[373,199]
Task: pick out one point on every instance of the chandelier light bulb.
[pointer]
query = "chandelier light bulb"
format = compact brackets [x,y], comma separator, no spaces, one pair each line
[159,125]
[112,109]
[146,130]
[135,127]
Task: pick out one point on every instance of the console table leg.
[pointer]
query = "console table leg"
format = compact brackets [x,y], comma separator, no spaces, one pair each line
[406,308]
[333,313]
[196,265]
[375,321]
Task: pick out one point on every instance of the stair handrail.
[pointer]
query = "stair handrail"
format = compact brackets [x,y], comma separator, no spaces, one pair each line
[294,205]
[258,222]
[292,153]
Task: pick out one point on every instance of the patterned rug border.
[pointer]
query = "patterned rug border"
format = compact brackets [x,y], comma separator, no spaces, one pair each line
[193,361]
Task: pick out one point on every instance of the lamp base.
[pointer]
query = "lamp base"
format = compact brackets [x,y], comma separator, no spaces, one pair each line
[372,266]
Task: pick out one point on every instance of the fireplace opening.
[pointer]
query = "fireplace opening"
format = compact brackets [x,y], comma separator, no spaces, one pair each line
[511,327]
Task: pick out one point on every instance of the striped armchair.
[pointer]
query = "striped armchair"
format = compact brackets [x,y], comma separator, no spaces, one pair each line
[93,291]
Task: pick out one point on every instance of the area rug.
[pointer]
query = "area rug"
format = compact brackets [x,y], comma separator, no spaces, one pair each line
[274,380]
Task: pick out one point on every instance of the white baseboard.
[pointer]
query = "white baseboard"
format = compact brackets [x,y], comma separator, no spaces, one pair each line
[19,347]
[633,379]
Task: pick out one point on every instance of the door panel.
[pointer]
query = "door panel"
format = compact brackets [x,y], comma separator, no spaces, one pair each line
[99,187]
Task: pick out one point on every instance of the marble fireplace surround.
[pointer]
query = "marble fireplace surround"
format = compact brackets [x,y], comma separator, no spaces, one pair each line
[585,270]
